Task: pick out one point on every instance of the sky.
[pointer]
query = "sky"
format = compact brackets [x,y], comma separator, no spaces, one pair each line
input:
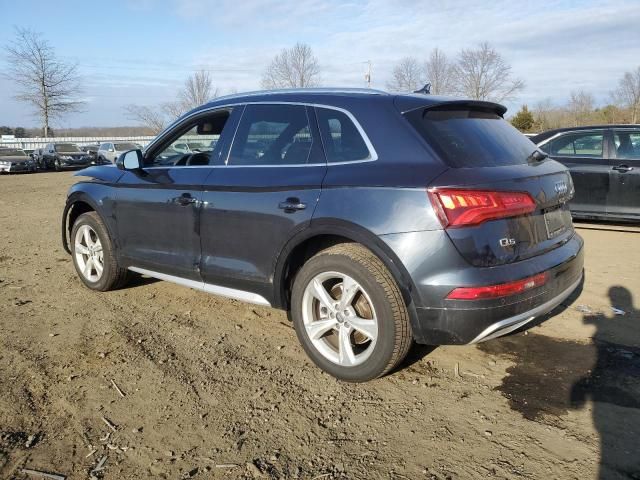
[141,51]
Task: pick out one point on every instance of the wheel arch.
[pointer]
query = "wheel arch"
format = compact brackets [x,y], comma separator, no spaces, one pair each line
[324,233]
[77,204]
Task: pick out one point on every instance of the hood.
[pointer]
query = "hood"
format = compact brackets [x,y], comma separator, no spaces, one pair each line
[101,173]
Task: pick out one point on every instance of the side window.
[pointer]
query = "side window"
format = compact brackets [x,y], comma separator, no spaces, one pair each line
[583,144]
[341,139]
[627,143]
[272,135]
[193,144]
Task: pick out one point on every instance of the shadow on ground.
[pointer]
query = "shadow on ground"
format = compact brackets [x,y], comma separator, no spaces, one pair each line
[550,377]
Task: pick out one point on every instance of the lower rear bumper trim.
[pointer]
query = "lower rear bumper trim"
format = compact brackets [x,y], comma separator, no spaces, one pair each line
[510,324]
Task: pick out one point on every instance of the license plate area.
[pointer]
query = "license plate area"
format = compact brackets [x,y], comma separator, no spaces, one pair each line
[554,221]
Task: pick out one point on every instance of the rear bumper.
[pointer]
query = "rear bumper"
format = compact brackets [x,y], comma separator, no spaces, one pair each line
[436,269]
[510,324]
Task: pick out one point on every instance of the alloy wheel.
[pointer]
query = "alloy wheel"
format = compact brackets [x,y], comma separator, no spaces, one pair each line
[89,253]
[339,318]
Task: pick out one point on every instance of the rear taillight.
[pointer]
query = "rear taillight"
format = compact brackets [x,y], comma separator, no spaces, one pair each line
[500,290]
[462,208]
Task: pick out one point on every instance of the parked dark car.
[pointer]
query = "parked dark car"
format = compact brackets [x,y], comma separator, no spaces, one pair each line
[604,162]
[91,150]
[14,160]
[63,156]
[374,219]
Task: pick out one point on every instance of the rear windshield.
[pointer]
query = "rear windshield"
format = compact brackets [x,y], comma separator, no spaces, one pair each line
[471,138]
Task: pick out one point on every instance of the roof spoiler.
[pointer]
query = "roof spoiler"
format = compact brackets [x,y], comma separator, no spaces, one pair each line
[413,102]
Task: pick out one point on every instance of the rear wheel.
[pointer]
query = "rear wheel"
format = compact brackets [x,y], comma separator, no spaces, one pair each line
[349,314]
[93,254]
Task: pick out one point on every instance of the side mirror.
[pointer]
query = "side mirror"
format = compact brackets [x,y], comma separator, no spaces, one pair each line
[131,160]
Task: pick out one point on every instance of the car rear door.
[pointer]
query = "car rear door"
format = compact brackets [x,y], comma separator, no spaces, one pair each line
[624,174]
[584,152]
[261,194]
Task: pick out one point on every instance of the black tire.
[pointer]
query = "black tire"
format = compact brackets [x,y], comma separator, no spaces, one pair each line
[113,276]
[56,165]
[394,329]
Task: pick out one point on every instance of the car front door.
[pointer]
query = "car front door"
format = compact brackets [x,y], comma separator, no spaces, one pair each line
[624,192]
[584,152]
[158,206]
[260,196]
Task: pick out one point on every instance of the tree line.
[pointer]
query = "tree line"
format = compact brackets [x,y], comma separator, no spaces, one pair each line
[581,108]
[52,87]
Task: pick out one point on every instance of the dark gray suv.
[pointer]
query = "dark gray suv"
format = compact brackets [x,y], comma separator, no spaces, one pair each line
[374,219]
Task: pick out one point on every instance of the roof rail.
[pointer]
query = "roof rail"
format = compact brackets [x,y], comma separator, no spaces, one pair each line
[281,91]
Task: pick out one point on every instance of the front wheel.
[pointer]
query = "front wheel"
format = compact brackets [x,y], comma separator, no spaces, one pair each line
[349,314]
[93,254]
[57,165]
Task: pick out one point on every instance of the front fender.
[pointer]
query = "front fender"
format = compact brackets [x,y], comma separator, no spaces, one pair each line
[93,196]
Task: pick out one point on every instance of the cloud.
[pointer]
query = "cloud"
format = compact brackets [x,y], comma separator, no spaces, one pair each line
[555,46]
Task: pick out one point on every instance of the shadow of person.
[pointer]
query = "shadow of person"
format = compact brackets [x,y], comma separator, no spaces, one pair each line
[613,386]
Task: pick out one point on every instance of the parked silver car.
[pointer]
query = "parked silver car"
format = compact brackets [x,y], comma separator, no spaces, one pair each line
[110,151]
[15,160]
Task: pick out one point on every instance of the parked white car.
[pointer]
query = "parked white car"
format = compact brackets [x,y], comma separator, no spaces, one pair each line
[110,151]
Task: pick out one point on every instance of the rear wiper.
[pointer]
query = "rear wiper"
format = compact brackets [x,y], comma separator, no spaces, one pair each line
[537,156]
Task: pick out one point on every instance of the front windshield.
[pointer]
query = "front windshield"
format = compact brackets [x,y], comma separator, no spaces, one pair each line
[12,152]
[123,147]
[67,148]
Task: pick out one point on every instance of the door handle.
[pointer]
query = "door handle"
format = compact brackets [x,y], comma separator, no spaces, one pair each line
[291,205]
[622,168]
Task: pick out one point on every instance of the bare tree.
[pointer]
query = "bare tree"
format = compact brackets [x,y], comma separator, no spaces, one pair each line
[483,74]
[628,93]
[197,90]
[147,116]
[440,73]
[406,76]
[547,115]
[296,67]
[580,107]
[48,84]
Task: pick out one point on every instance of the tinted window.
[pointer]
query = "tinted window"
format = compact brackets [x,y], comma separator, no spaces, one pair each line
[627,144]
[471,138]
[341,139]
[272,135]
[583,144]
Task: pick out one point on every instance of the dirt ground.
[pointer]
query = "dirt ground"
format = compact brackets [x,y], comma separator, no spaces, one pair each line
[213,388]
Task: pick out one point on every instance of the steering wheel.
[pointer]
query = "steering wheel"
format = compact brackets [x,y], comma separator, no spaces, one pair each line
[197,159]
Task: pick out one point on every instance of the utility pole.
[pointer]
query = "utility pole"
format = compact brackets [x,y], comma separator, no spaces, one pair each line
[367,75]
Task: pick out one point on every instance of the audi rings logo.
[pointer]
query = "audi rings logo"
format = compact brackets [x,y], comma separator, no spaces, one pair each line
[561,188]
